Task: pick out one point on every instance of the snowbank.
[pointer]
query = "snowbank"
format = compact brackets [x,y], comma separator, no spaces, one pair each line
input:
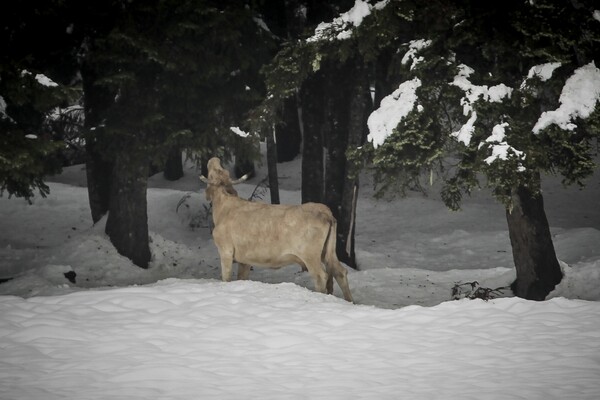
[212,340]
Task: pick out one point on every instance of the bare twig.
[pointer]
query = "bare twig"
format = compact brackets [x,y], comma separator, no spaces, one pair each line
[474,291]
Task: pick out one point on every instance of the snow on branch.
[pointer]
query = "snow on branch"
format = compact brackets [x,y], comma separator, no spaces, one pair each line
[239,132]
[341,27]
[41,79]
[262,25]
[501,150]
[494,94]
[578,99]
[393,109]
[465,132]
[542,71]
[414,46]
[3,114]
[473,93]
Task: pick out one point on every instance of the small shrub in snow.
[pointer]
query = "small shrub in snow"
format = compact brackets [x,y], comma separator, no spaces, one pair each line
[203,217]
[260,189]
[200,219]
[472,290]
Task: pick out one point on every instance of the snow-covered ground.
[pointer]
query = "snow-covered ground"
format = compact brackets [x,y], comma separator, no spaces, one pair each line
[175,331]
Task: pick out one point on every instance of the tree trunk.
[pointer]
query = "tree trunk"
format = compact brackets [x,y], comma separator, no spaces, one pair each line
[272,167]
[348,123]
[243,166]
[360,106]
[118,159]
[174,164]
[538,270]
[98,173]
[338,119]
[288,133]
[98,169]
[127,223]
[295,17]
[312,149]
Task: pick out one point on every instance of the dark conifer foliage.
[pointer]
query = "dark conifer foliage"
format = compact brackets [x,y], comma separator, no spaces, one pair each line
[181,73]
[158,77]
[36,69]
[495,45]
[499,42]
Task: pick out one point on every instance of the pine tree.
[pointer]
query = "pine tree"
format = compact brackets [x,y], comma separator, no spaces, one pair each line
[474,79]
[162,75]
[35,79]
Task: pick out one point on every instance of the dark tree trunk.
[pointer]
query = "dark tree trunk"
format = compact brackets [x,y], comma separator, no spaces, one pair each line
[292,21]
[154,168]
[288,133]
[360,107]
[383,83]
[127,223]
[174,164]
[295,18]
[337,118]
[348,123]
[312,149]
[118,160]
[98,173]
[98,169]
[203,163]
[272,168]
[538,270]
[242,167]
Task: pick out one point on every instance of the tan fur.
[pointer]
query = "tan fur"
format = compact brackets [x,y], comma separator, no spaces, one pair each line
[273,236]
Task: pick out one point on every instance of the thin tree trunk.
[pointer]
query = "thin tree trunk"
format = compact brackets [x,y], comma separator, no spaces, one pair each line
[174,164]
[360,106]
[335,172]
[272,167]
[312,149]
[243,167]
[98,173]
[538,270]
[98,169]
[288,136]
[300,114]
[295,24]
[127,223]
[348,118]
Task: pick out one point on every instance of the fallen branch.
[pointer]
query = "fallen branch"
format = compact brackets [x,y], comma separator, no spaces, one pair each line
[472,290]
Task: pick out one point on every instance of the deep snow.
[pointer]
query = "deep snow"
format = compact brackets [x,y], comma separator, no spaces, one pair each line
[175,331]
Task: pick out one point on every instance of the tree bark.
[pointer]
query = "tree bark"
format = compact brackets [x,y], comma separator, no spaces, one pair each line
[288,133]
[272,167]
[173,165]
[312,149]
[98,173]
[98,168]
[348,128]
[338,119]
[360,107]
[127,223]
[243,166]
[538,270]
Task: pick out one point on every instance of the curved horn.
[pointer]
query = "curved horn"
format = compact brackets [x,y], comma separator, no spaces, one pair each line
[242,179]
[203,179]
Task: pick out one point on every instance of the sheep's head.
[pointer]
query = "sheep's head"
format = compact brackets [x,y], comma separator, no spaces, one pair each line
[219,179]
